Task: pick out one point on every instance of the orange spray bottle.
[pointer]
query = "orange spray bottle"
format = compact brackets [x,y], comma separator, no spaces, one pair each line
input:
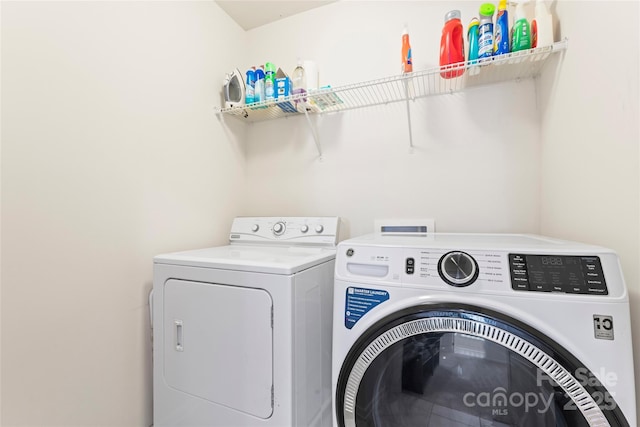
[407,62]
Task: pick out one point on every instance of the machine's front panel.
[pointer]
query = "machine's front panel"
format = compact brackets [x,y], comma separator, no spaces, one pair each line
[218,344]
[453,364]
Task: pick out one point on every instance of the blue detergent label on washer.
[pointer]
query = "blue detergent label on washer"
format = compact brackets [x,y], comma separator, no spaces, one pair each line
[360,301]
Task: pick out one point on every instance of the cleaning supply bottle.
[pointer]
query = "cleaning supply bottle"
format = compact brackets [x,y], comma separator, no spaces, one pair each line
[269,81]
[311,75]
[521,30]
[407,61]
[250,86]
[501,33]
[452,45]
[485,31]
[543,25]
[299,82]
[258,94]
[472,38]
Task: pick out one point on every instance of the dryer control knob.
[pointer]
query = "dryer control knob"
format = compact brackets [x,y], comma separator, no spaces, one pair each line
[278,228]
[304,228]
[255,227]
[319,228]
[458,268]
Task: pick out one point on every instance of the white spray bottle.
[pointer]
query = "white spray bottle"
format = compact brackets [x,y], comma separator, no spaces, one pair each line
[542,25]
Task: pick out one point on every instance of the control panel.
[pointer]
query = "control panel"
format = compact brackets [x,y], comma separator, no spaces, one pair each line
[557,273]
[287,230]
[478,270]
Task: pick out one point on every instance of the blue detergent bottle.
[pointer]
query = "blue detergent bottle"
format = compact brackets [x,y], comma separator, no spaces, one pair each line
[250,89]
[501,34]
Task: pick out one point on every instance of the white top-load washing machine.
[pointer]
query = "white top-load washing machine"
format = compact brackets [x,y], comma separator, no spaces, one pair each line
[480,330]
[242,333]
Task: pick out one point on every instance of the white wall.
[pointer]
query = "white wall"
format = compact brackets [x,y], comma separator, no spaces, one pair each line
[562,161]
[476,163]
[111,154]
[590,139]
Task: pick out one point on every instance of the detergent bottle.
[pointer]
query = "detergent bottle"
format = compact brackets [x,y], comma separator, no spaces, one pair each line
[501,33]
[472,38]
[543,24]
[485,31]
[250,87]
[521,29]
[407,61]
[452,45]
[258,95]
[269,81]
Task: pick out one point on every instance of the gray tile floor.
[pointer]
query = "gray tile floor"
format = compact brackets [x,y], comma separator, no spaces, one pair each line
[415,411]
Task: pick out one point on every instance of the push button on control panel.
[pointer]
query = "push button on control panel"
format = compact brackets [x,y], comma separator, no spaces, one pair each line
[410,265]
[593,276]
[519,276]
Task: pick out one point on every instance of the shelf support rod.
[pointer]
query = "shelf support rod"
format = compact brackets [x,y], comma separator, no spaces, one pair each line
[406,93]
[314,132]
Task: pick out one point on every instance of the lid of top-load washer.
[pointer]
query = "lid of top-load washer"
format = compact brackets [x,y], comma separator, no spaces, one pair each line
[455,241]
[260,259]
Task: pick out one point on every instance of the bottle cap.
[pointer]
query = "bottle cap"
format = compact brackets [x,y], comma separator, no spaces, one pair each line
[474,23]
[269,67]
[454,14]
[487,9]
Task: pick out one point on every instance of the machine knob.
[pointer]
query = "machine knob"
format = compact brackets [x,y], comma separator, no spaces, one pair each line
[304,228]
[458,268]
[255,227]
[278,228]
[319,228]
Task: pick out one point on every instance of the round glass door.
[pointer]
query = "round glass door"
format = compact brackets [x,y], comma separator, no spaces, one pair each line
[458,367]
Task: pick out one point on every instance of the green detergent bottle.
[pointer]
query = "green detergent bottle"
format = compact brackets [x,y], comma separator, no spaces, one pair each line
[521,39]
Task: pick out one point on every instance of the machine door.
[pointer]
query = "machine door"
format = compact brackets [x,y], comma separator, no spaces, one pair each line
[458,365]
[218,344]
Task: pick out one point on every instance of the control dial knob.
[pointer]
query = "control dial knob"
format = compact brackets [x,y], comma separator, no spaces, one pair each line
[458,268]
[319,228]
[304,228]
[278,228]
[255,227]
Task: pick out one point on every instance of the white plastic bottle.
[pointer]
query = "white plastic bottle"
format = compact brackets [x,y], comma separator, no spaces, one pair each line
[543,24]
[299,83]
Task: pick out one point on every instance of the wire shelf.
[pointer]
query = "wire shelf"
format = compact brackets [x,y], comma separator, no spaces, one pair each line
[513,66]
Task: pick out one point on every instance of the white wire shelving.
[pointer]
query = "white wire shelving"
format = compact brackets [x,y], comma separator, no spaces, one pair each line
[405,87]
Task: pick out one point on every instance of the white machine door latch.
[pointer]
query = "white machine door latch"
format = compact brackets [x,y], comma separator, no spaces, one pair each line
[179,342]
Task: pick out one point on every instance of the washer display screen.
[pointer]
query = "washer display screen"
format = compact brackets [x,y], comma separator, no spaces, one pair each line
[557,273]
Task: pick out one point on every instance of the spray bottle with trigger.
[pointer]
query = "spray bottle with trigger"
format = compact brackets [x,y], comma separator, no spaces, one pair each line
[521,39]
[542,26]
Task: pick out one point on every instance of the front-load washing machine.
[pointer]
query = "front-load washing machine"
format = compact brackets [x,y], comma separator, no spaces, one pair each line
[480,330]
[242,333]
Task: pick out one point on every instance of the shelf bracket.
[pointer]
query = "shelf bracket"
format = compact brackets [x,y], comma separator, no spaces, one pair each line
[313,130]
[407,98]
